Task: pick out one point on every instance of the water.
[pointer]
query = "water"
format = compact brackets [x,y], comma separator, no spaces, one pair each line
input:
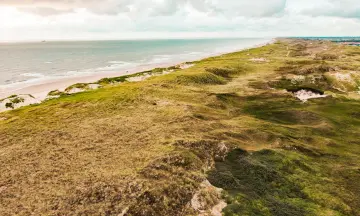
[24,63]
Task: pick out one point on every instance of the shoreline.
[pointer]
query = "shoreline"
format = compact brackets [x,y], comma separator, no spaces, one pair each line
[39,90]
[43,87]
[190,137]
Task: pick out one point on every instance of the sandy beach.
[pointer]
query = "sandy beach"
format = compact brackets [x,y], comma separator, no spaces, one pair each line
[42,88]
[39,90]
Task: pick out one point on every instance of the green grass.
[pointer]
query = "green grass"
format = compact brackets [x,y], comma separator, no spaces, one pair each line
[145,147]
[299,177]
[121,79]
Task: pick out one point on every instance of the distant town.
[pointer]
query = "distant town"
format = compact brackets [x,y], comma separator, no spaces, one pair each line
[352,41]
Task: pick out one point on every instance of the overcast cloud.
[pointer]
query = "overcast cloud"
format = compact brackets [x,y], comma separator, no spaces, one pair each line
[94,19]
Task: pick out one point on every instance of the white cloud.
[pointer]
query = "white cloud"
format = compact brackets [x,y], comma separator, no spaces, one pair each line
[335,8]
[152,7]
[111,19]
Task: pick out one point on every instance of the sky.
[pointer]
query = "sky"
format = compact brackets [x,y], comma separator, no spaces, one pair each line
[22,20]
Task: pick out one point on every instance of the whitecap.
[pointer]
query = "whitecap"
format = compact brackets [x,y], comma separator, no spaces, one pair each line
[114,67]
[37,75]
[118,62]
[195,53]
[156,59]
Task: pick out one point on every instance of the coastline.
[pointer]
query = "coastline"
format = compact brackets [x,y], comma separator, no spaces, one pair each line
[43,87]
[39,90]
[229,130]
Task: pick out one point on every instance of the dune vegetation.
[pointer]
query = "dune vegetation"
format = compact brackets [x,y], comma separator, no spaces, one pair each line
[166,145]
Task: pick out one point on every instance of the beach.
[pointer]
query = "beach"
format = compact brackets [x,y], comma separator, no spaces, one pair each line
[39,89]
[42,88]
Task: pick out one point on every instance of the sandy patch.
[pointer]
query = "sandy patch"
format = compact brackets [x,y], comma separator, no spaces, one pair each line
[196,202]
[87,87]
[75,90]
[216,211]
[52,97]
[298,79]
[147,76]
[2,189]
[346,82]
[123,213]
[305,95]
[259,60]
[93,86]
[163,103]
[17,102]
[343,77]
[139,78]
[185,66]
[199,204]
[168,71]
[27,99]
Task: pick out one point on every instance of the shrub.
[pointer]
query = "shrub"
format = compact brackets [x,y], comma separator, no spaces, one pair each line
[55,93]
[9,105]
[223,72]
[77,85]
[112,80]
[12,96]
[17,100]
[326,56]
[304,68]
[226,72]
[203,78]
[298,49]
[173,68]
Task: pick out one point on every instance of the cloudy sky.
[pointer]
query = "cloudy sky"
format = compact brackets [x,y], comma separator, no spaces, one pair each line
[116,19]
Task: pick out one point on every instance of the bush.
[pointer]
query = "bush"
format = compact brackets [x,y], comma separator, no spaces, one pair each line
[112,80]
[326,56]
[223,72]
[259,178]
[9,105]
[298,49]
[203,78]
[77,85]
[55,93]
[305,69]
[226,72]
[17,100]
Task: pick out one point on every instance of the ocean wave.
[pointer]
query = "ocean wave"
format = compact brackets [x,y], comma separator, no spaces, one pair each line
[156,59]
[194,53]
[19,84]
[116,65]
[32,75]
[119,62]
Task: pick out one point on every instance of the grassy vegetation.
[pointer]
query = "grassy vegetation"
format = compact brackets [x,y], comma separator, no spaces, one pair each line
[302,175]
[144,148]
[121,79]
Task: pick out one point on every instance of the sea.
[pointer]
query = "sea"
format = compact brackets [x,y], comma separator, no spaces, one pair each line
[22,64]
